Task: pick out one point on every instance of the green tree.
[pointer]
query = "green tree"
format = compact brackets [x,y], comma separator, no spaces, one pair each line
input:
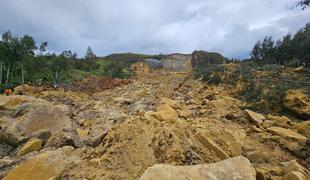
[58,67]
[256,51]
[28,46]
[304,3]
[90,54]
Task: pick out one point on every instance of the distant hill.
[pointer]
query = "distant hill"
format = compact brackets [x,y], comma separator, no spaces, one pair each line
[131,57]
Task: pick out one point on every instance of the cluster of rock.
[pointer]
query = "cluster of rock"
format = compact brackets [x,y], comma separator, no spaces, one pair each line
[146,131]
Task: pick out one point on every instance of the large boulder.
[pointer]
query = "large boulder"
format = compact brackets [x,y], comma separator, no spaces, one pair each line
[44,166]
[235,168]
[298,103]
[12,102]
[37,115]
[27,90]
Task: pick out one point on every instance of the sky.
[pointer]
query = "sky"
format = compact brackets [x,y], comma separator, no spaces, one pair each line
[152,26]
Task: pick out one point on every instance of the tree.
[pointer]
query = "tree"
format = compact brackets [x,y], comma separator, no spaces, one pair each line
[43,47]
[256,51]
[57,67]
[28,46]
[304,3]
[283,50]
[90,54]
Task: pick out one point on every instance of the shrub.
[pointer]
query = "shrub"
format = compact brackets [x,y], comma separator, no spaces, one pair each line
[118,69]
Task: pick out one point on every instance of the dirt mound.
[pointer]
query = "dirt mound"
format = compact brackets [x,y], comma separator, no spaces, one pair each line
[96,84]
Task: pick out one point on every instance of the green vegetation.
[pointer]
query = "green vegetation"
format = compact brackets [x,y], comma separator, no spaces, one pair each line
[260,87]
[291,50]
[22,61]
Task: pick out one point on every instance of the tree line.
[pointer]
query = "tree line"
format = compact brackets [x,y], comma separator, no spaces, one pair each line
[291,50]
[22,61]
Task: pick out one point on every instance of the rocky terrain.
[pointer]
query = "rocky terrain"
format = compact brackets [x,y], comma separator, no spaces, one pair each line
[158,126]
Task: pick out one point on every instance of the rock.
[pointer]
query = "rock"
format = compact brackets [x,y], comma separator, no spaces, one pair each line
[298,103]
[96,139]
[303,128]
[256,129]
[256,157]
[256,118]
[43,134]
[225,104]
[136,108]
[11,138]
[82,133]
[32,145]
[123,100]
[165,113]
[294,166]
[294,175]
[234,168]
[41,115]
[289,144]
[26,90]
[262,174]
[172,103]
[65,139]
[288,134]
[186,113]
[280,121]
[94,162]
[210,145]
[21,110]
[267,124]
[44,166]
[12,102]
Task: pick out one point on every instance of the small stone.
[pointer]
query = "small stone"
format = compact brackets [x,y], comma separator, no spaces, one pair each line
[186,113]
[209,144]
[294,175]
[32,145]
[293,166]
[256,118]
[43,134]
[256,157]
[262,174]
[256,129]
[96,140]
[83,132]
[267,124]
[94,162]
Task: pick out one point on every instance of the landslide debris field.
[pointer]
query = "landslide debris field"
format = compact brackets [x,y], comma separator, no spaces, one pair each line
[156,126]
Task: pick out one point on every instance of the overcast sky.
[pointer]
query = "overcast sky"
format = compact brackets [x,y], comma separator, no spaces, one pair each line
[230,27]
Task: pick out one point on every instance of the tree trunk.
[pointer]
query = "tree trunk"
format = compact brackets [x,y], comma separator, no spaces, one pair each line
[7,75]
[56,79]
[23,80]
[12,74]
[1,66]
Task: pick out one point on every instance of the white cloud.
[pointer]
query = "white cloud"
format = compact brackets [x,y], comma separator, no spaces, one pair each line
[152,26]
